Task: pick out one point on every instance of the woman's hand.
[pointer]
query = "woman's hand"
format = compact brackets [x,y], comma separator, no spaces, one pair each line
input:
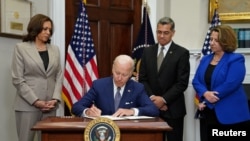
[201,106]
[211,96]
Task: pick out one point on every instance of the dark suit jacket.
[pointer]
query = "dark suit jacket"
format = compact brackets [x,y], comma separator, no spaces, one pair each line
[172,79]
[102,94]
[227,79]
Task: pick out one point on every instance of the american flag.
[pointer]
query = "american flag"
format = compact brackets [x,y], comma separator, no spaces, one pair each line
[145,39]
[215,21]
[206,46]
[81,65]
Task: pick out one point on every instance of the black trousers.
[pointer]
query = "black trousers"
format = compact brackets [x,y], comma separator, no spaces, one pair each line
[177,133]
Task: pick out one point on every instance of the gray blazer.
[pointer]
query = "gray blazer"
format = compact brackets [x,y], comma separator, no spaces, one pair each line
[31,80]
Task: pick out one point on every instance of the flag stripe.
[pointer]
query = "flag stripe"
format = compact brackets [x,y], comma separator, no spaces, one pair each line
[72,76]
[70,91]
[73,88]
[74,69]
[81,66]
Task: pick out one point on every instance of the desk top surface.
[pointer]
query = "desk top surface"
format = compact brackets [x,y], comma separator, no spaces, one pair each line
[79,123]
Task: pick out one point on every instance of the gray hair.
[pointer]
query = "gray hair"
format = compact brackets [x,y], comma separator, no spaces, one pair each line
[125,59]
[167,20]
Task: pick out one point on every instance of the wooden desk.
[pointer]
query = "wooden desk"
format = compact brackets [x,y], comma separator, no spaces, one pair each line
[72,129]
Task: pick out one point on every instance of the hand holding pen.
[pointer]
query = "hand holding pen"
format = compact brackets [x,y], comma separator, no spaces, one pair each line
[93,111]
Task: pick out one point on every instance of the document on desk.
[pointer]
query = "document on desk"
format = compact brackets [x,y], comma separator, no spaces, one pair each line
[139,117]
[124,117]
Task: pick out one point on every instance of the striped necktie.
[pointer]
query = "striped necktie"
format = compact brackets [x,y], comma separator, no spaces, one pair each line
[160,58]
[117,98]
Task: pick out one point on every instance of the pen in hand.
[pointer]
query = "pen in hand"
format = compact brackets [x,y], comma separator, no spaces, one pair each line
[94,111]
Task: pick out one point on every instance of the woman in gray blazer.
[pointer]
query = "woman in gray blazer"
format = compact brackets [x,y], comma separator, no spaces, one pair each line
[37,76]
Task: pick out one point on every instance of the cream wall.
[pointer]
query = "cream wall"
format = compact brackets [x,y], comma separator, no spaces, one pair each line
[191,27]
[7,91]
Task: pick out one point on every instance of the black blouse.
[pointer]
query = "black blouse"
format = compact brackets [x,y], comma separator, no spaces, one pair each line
[45,57]
[208,75]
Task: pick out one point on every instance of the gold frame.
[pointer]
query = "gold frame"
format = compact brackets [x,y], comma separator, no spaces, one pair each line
[228,12]
[13,23]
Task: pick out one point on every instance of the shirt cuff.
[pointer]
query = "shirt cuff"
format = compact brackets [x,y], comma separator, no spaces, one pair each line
[136,111]
[164,100]
[84,113]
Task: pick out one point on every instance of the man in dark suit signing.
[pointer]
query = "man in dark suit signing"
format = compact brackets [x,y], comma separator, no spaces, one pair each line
[164,71]
[101,98]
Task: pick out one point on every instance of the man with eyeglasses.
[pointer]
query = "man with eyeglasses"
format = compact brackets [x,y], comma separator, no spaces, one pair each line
[165,71]
[102,98]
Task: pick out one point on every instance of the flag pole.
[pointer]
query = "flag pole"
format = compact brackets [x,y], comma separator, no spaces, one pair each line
[145,2]
[144,39]
[216,4]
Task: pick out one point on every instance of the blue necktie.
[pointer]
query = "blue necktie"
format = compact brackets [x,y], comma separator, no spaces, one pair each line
[117,98]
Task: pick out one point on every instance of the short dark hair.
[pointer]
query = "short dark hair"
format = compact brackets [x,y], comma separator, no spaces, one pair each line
[35,27]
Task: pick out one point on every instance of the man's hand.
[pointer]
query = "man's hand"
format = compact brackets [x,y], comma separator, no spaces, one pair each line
[164,108]
[159,103]
[93,111]
[123,112]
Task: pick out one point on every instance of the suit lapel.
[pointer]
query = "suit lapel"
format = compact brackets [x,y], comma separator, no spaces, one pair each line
[110,94]
[34,55]
[126,93]
[218,68]
[168,55]
[154,56]
[51,58]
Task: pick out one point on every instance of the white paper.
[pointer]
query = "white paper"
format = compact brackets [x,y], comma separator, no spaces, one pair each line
[123,118]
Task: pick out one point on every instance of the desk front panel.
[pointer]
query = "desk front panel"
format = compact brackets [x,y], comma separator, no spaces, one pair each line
[72,129]
[125,136]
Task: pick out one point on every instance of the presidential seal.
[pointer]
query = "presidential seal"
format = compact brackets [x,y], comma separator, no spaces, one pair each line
[102,129]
